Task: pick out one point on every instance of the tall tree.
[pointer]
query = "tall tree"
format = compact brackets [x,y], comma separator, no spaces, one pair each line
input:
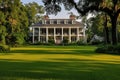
[88,24]
[101,26]
[15,19]
[12,21]
[106,29]
[34,12]
[14,24]
[118,28]
[110,7]
[3,31]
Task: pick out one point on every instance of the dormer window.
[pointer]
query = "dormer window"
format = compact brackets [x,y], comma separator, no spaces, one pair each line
[73,22]
[70,21]
[58,21]
[62,22]
[47,22]
[51,21]
[66,21]
[55,21]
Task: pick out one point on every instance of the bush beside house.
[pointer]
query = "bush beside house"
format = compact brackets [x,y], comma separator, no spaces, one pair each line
[110,49]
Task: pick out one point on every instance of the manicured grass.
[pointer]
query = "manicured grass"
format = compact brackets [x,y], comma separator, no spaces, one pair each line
[58,63]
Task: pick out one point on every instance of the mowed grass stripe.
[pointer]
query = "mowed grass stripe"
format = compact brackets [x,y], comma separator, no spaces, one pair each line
[58,63]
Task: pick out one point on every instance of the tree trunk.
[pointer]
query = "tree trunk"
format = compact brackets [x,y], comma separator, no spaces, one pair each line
[106,31]
[114,31]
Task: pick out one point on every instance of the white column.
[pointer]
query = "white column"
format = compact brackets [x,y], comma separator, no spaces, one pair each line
[62,33]
[55,34]
[46,34]
[39,35]
[33,38]
[78,34]
[84,35]
[70,34]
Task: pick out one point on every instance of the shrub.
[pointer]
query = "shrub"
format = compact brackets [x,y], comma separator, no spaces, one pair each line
[96,42]
[15,39]
[111,49]
[72,44]
[65,41]
[101,49]
[80,43]
[4,48]
[51,41]
[41,43]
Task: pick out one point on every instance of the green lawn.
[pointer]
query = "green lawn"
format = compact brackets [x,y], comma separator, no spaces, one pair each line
[58,63]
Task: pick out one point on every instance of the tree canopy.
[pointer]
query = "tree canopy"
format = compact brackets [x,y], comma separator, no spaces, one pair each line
[15,18]
[110,7]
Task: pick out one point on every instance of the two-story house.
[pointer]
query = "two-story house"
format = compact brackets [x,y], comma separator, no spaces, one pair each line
[57,30]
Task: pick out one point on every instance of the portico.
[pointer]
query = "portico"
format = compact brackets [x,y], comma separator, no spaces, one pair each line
[43,34]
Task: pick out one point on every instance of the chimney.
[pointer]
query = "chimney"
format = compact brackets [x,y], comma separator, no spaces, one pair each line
[72,17]
[46,17]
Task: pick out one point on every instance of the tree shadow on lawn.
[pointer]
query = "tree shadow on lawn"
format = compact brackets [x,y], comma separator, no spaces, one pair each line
[74,52]
[66,69]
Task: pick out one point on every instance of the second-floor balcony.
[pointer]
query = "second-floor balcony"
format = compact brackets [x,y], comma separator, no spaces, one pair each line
[73,34]
[65,34]
[58,34]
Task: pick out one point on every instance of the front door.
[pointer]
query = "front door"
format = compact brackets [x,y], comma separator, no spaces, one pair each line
[58,40]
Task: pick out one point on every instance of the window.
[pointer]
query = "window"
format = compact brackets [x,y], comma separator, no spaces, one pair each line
[47,22]
[51,21]
[55,21]
[58,21]
[69,21]
[62,22]
[66,21]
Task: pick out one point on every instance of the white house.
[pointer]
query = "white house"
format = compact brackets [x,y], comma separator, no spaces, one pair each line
[57,30]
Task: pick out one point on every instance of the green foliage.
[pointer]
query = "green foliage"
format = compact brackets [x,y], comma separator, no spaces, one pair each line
[15,20]
[32,10]
[65,41]
[110,7]
[16,39]
[80,42]
[41,43]
[4,48]
[19,38]
[51,41]
[111,49]
[97,25]
[101,49]
[2,34]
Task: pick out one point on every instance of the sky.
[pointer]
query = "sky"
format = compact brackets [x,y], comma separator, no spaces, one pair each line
[62,14]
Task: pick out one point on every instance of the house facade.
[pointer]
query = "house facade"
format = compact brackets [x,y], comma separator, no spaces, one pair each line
[57,30]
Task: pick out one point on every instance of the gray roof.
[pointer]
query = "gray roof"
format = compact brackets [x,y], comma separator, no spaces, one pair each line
[76,23]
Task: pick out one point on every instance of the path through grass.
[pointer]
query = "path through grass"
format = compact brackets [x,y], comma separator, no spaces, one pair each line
[58,63]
